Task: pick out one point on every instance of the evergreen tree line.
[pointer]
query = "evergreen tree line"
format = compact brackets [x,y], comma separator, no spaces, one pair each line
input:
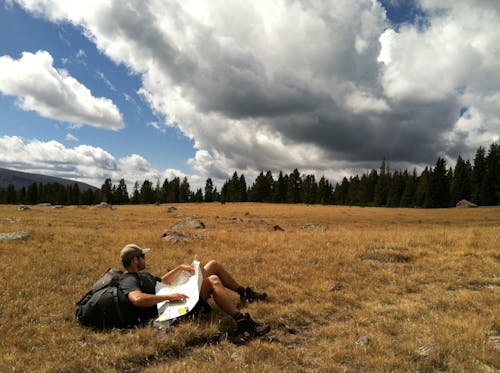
[53,193]
[437,186]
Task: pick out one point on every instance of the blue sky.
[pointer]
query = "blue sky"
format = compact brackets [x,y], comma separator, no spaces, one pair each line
[165,88]
[74,52]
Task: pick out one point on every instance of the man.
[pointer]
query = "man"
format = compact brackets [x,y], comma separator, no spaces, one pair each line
[140,289]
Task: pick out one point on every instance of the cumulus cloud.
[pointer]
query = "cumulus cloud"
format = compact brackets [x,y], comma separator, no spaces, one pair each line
[89,164]
[53,93]
[314,85]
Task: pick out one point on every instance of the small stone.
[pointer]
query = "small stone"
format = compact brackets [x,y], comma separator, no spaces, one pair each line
[278,228]
[427,350]
[336,286]
[363,340]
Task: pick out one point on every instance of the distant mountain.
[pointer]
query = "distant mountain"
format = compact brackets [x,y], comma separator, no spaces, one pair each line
[24,179]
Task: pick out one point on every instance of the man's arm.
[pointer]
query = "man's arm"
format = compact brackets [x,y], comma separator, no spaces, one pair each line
[140,299]
[169,277]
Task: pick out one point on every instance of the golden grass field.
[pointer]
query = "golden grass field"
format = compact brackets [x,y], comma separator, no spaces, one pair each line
[381,290]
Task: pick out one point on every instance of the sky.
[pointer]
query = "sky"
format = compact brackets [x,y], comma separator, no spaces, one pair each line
[156,89]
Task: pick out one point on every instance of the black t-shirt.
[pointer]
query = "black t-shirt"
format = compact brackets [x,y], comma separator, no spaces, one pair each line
[146,283]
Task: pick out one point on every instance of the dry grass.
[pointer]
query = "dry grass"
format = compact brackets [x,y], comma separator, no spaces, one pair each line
[380,290]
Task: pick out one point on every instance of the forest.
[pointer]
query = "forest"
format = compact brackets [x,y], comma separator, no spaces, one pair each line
[438,186]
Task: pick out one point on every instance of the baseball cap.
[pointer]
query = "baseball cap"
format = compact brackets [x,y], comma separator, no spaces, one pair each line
[132,250]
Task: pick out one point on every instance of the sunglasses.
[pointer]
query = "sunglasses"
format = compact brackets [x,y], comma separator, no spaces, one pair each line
[141,256]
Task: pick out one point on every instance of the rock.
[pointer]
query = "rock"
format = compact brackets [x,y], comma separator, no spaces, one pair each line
[170,209]
[314,227]
[104,205]
[278,228]
[14,236]
[58,206]
[44,204]
[336,286]
[22,208]
[190,223]
[427,350]
[174,237]
[465,204]
[11,220]
[363,340]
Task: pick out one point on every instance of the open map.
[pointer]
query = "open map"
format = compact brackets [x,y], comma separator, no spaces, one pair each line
[185,283]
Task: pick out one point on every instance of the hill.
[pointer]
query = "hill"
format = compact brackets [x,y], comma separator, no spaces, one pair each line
[23,179]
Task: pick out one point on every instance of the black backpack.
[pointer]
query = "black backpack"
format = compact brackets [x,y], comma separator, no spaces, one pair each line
[106,306]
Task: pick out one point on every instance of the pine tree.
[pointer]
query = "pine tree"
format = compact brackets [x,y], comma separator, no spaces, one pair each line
[478,172]
[173,190]
[439,185]
[11,195]
[309,189]
[198,197]
[136,196]
[340,195]
[293,193]
[325,192]
[209,190]
[242,189]
[147,194]
[396,188]
[408,196]
[32,194]
[106,191]
[461,183]
[260,189]
[280,188]
[120,194]
[184,191]
[490,185]
[382,186]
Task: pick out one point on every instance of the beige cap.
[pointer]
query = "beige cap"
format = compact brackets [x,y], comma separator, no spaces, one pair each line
[132,250]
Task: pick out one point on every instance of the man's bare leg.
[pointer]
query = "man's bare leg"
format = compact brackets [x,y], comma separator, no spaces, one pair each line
[212,285]
[215,268]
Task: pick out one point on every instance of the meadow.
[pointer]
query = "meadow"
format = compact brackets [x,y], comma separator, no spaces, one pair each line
[378,290]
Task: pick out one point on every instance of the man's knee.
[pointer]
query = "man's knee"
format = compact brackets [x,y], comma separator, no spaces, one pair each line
[214,281]
[211,266]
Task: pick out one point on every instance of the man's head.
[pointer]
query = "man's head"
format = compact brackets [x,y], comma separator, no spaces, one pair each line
[131,251]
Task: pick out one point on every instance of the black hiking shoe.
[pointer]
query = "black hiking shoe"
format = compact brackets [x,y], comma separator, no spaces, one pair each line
[247,329]
[249,295]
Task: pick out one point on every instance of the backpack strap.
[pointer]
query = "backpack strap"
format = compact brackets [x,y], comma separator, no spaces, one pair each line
[117,305]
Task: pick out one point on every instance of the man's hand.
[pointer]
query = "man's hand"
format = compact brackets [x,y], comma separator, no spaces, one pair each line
[176,297]
[187,268]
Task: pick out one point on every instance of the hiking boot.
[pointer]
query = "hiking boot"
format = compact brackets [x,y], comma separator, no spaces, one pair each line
[249,295]
[247,329]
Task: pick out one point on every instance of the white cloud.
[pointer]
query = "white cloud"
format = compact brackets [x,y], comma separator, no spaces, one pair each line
[54,93]
[70,137]
[85,163]
[313,85]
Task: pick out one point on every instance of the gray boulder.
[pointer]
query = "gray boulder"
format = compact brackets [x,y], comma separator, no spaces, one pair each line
[190,223]
[12,236]
[465,204]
